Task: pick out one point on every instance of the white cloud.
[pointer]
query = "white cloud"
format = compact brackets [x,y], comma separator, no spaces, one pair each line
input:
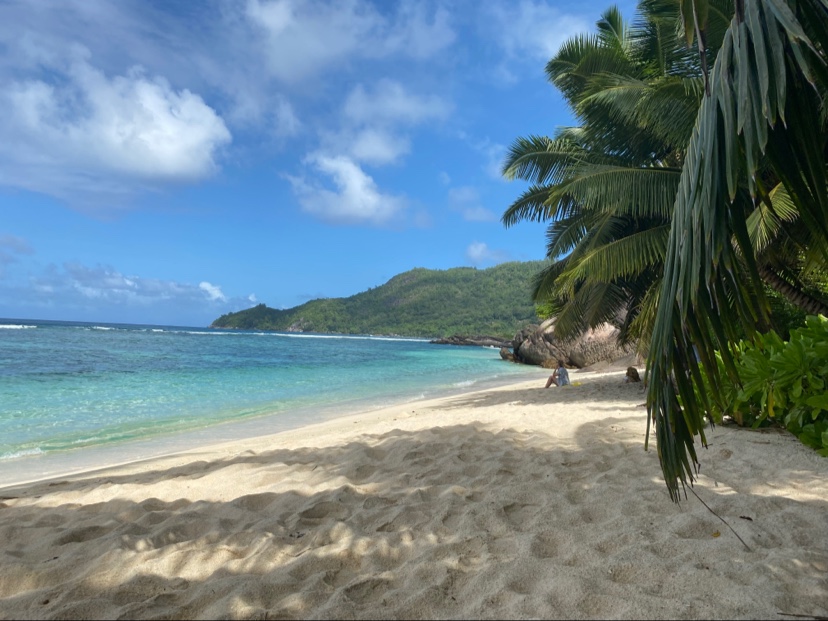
[531,32]
[466,200]
[274,113]
[377,146]
[389,103]
[494,155]
[355,198]
[414,34]
[303,37]
[85,132]
[105,284]
[376,122]
[213,291]
[478,253]
[371,135]
[77,290]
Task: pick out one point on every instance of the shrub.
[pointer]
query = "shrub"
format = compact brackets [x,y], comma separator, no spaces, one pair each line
[781,381]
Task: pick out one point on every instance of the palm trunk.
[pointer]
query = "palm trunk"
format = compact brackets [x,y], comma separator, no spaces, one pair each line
[794,295]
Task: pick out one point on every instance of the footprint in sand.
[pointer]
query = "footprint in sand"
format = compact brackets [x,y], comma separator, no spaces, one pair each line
[255,502]
[367,590]
[545,545]
[79,535]
[326,509]
[520,515]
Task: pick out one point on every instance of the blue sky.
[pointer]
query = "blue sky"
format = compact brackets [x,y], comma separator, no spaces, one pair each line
[166,162]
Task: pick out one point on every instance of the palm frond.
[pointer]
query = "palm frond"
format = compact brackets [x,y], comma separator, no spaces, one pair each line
[640,192]
[539,159]
[628,256]
[711,290]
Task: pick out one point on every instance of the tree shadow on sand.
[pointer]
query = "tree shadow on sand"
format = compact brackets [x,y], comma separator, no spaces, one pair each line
[450,522]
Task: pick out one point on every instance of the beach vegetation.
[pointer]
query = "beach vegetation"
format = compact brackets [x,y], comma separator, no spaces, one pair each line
[779,382]
[761,123]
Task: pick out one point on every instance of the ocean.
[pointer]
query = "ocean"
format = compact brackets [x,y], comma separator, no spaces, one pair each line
[74,396]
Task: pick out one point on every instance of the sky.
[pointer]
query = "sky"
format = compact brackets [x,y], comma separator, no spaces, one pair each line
[165,162]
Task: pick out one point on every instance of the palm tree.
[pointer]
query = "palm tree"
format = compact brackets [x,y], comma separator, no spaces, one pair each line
[608,186]
[763,119]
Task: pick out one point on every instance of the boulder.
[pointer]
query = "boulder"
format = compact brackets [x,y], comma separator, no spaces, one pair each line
[534,344]
[537,344]
[479,341]
[598,345]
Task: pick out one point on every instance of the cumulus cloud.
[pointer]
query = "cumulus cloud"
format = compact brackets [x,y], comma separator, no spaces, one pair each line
[84,131]
[354,197]
[478,253]
[374,133]
[213,291]
[376,122]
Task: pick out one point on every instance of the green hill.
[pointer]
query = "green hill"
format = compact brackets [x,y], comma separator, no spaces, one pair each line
[428,303]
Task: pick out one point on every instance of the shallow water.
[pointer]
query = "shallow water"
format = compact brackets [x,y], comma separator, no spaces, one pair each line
[78,393]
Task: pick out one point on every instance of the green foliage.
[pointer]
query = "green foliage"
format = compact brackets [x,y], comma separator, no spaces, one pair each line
[785,316]
[780,381]
[421,302]
[762,124]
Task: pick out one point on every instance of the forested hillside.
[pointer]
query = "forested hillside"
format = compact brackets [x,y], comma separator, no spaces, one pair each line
[429,303]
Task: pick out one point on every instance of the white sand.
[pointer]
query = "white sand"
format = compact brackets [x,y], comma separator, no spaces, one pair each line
[516,502]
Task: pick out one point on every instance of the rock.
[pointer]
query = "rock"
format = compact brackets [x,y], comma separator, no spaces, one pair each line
[534,344]
[300,325]
[537,345]
[507,354]
[479,341]
[597,345]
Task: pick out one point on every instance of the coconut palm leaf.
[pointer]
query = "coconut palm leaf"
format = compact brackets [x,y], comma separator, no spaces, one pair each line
[622,258]
[764,99]
[639,192]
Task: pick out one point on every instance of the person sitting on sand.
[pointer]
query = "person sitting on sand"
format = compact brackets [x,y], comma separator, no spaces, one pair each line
[560,377]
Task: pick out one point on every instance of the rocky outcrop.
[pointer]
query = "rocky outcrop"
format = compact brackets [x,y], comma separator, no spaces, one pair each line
[300,325]
[537,345]
[534,344]
[480,341]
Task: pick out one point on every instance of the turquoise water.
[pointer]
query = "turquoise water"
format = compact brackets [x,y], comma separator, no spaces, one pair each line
[68,388]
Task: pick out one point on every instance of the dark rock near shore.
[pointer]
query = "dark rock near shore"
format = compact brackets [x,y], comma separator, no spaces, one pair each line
[478,341]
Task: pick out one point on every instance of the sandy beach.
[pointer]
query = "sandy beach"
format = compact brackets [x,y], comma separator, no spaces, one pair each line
[514,502]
